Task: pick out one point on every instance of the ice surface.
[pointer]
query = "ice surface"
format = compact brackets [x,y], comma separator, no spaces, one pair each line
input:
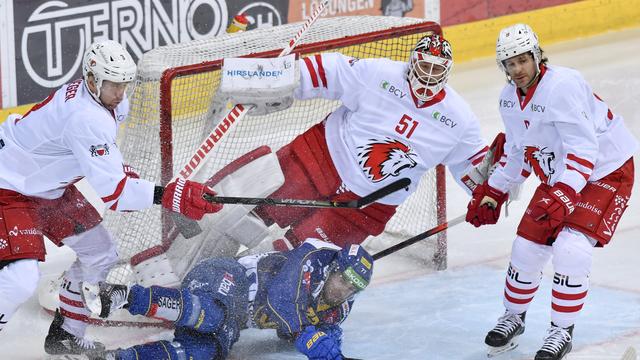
[415,314]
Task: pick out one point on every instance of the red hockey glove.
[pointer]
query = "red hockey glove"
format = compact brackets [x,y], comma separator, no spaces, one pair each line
[484,207]
[130,171]
[551,212]
[186,197]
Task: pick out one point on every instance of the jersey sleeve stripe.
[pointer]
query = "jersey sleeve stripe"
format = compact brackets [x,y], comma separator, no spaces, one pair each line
[118,191]
[585,175]
[323,76]
[525,173]
[580,161]
[312,72]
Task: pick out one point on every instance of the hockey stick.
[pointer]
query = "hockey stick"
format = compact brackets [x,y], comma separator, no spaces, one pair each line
[415,239]
[190,228]
[353,204]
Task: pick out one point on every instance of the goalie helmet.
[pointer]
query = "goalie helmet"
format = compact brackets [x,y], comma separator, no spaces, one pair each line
[430,63]
[515,40]
[107,60]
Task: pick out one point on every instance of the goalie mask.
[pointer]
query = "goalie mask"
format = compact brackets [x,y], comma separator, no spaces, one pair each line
[515,40]
[107,60]
[429,66]
[349,274]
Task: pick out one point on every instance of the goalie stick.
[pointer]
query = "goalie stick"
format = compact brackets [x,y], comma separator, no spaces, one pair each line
[353,204]
[190,228]
[422,236]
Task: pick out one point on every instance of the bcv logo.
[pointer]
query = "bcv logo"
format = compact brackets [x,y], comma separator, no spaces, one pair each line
[385,85]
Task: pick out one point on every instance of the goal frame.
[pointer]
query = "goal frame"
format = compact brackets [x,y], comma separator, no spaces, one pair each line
[169,232]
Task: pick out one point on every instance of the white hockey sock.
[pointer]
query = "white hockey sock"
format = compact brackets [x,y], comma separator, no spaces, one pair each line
[72,308]
[18,282]
[567,298]
[520,288]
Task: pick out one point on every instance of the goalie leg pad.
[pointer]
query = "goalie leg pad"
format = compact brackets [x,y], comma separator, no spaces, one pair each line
[342,226]
[256,174]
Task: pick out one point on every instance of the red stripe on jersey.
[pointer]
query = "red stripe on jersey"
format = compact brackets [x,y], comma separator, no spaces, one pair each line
[563,296]
[581,161]
[312,72]
[323,76]
[525,173]
[114,206]
[517,301]
[586,176]
[68,301]
[117,192]
[566,309]
[74,316]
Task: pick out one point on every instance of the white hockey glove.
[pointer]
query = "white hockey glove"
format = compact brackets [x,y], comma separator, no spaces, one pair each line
[266,85]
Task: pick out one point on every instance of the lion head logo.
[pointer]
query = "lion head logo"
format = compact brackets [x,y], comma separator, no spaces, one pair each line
[381,159]
[541,161]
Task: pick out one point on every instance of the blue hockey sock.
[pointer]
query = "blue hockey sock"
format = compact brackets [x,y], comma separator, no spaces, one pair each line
[180,306]
[156,302]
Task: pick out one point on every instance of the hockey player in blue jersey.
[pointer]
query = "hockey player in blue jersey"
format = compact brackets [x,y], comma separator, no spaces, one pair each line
[304,294]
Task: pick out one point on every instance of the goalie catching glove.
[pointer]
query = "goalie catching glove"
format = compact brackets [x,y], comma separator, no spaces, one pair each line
[186,197]
[266,85]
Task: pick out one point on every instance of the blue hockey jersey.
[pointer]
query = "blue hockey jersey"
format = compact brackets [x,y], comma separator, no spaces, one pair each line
[286,288]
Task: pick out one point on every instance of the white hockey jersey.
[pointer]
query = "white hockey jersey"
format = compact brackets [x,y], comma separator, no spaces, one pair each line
[64,138]
[560,131]
[381,132]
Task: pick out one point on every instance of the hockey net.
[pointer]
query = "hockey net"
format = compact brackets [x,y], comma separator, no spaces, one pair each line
[170,116]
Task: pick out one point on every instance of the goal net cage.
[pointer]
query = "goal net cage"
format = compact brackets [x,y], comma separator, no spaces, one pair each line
[171,114]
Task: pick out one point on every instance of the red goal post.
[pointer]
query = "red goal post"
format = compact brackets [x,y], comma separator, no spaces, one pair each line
[171,114]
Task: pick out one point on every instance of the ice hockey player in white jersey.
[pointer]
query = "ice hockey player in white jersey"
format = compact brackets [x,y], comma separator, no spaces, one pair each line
[69,136]
[397,120]
[557,128]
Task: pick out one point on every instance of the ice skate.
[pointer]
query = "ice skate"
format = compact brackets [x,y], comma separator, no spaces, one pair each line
[104,298]
[61,342]
[504,336]
[557,343]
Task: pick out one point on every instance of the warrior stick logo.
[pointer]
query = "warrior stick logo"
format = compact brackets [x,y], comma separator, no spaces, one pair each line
[541,161]
[382,159]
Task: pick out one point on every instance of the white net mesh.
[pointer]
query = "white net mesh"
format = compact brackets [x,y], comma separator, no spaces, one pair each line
[186,112]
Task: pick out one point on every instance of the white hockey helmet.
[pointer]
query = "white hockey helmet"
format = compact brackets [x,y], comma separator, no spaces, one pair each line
[515,40]
[430,63]
[108,60]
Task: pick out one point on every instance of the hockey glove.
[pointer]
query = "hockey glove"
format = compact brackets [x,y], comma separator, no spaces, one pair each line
[318,345]
[186,197]
[484,207]
[551,211]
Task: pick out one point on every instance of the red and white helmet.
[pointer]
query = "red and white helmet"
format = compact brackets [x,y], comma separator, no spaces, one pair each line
[515,40]
[429,66]
[108,60]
